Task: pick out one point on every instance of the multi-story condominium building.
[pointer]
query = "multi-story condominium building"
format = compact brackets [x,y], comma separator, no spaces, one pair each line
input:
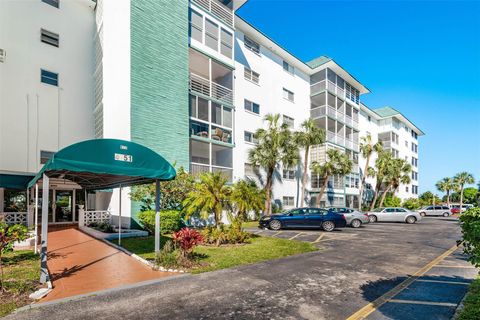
[188,79]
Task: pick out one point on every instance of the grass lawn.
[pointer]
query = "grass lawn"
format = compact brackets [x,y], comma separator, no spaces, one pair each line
[471,309]
[21,273]
[250,224]
[226,256]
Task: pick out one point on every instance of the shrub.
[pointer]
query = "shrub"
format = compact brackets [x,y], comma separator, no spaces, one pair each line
[471,234]
[392,201]
[168,256]
[186,239]
[170,221]
[8,236]
[104,226]
[224,235]
[411,204]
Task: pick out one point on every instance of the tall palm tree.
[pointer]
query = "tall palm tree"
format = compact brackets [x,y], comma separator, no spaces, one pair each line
[275,145]
[337,163]
[461,179]
[310,135]
[446,185]
[247,197]
[381,165]
[398,172]
[209,195]
[367,148]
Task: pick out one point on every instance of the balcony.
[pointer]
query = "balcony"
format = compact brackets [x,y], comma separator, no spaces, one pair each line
[217,9]
[201,85]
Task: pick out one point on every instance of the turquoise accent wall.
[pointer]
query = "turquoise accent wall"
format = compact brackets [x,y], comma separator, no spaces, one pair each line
[159,79]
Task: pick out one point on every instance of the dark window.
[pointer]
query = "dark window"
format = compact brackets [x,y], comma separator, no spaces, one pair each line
[53,3]
[400,210]
[45,156]
[390,210]
[295,212]
[49,77]
[49,37]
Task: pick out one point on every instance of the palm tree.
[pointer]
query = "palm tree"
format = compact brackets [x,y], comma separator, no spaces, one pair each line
[461,179]
[310,136]
[275,145]
[367,147]
[446,185]
[398,172]
[381,165]
[209,195]
[337,163]
[246,197]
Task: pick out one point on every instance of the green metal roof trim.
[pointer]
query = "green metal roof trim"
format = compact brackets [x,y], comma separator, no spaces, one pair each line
[107,163]
[386,112]
[317,62]
[15,181]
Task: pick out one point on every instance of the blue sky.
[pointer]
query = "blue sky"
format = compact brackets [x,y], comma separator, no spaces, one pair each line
[420,57]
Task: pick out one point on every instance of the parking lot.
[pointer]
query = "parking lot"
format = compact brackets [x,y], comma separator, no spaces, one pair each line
[378,271]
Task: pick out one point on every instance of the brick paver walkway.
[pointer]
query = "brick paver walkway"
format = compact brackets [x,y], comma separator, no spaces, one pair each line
[80,264]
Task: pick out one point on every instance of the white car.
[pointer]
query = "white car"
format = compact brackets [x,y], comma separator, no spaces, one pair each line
[393,215]
[434,211]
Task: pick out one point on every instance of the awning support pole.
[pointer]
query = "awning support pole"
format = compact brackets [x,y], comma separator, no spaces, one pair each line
[157,217]
[36,218]
[44,277]
[120,216]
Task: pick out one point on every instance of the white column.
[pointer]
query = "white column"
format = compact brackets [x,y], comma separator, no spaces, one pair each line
[54,205]
[157,217]
[44,277]
[120,217]
[74,205]
[36,218]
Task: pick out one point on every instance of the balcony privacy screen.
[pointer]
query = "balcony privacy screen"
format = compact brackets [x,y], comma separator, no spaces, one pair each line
[107,163]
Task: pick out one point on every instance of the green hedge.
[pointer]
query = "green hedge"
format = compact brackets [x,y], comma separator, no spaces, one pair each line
[170,221]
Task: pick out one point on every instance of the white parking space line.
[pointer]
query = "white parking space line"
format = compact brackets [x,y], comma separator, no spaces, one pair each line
[460,267]
[277,233]
[295,236]
[446,282]
[443,304]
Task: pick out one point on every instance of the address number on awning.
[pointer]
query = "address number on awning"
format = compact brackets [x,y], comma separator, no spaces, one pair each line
[123,157]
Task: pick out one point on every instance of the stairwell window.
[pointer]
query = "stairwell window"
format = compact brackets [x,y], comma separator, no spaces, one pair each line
[49,77]
[226,44]
[196,25]
[45,156]
[249,137]
[252,106]
[289,95]
[50,38]
[251,45]
[251,75]
[211,35]
[53,3]
[288,68]
[288,174]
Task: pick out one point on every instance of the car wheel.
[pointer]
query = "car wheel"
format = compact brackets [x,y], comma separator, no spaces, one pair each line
[356,223]
[328,226]
[275,225]
[422,214]
[445,214]
[372,219]
[411,219]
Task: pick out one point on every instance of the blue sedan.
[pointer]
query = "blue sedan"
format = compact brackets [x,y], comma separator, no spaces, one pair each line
[328,220]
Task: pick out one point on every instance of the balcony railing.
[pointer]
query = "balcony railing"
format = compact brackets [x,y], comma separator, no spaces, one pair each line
[318,112]
[219,10]
[209,88]
[317,87]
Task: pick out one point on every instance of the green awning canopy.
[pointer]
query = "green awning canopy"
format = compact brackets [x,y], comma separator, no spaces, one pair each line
[14,181]
[107,163]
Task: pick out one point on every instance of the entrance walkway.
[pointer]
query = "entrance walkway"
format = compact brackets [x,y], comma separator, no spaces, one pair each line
[80,264]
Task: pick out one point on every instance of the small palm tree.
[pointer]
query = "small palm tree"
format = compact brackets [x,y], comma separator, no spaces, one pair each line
[310,136]
[246,197]
[381,165]
[461,179]
[275,145]
[398,172]
[367,148]
[209,195]
[446,185]
[337,163]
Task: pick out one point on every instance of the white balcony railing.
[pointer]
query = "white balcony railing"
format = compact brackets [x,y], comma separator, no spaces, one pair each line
[219,10]
[317,112]
[317,87]
[196,169]
[209,88]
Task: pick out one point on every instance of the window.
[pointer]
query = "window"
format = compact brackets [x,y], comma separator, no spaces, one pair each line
[199,152]
[290,122]
[49,37]
[251,75]
[49,77]
[289,95]
[414,135]
[45,156]
[400,210]
[226,43]
[406,189]
[414,162]
[53,3]
[288,68]
[352,93]
[252,106]
[369,119]
[251,170]
[414,175]
[289,202]
[211,35]
[221,156]
[196,25]
[199,108]
[249,137]
[414,148]
[414,189]
[251,45]
[288,174]
[406,144]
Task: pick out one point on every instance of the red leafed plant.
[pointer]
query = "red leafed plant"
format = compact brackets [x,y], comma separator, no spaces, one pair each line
[186,239]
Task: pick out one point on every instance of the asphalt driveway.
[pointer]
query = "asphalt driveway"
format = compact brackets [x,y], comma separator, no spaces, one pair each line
[353,271]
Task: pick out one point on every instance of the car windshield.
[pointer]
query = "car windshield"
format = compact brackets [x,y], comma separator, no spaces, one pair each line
[378,210]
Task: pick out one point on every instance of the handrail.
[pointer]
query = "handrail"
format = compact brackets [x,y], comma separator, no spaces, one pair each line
[217,9]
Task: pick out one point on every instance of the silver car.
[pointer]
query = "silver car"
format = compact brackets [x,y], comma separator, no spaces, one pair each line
[434,211]
[391,214]
[354,218]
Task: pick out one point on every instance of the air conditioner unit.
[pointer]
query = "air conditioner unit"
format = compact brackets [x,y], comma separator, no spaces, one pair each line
[3,55]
